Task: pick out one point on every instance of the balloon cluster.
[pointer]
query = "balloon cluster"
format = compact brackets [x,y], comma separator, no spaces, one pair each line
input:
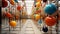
[50,9]
[8,13]
[5,3]
[12,2]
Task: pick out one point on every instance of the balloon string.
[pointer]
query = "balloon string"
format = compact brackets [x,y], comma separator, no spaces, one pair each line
[49,1]
[9,20]
[57,20]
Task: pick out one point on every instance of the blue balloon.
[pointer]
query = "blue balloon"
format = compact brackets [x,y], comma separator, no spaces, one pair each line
[40,21]
[50,8]
[16,1]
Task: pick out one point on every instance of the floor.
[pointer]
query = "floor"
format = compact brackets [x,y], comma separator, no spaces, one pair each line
[24,26]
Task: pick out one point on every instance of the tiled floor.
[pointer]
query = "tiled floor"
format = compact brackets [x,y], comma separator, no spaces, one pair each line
[29,27]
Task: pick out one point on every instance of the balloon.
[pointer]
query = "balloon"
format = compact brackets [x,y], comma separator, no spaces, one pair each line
[40,21]
[38,0]
[38,4]
[37,8]
[16,1]
[18,7]
[4,3]
[8,15]
[38,11]
[12,23]
[37,16]
[50,9]
[50,21]
[12,2]
[44,0]
[44,29]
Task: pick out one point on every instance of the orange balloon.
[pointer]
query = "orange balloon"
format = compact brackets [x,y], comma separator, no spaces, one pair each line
[8,15]
[38,4]
[12,23]
[37,16]
[12,2]
[50,21]
[38,0]
[18,7]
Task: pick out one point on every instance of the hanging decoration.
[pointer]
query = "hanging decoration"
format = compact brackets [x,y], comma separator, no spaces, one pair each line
[44,0]
[12,2]
[38,0]
[38,4]
[19,7]
[4,3]
[37,16]
[50,9]
[16,1]
[8,15]
[13,23]
[45,29]
[40,21]
[50,20]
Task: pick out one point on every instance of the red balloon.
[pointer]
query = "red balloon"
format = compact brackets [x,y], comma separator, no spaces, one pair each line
[18,7]
[38,11]
[50,21]
[4,3]
[8,15]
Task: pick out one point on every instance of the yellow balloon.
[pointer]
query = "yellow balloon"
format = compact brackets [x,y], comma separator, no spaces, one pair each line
[38,4]
[37,16]
[12,2]
[12,23]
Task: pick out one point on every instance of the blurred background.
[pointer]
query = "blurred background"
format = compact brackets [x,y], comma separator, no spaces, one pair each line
[30,17]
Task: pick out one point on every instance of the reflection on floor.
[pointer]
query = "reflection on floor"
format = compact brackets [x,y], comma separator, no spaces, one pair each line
[25,26]
[30,28]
